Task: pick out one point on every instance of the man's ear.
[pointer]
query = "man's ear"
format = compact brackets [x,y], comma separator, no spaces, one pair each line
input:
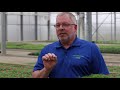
[76,27]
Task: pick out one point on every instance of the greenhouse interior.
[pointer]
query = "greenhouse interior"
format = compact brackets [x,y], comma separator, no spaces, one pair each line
[24,34]
[100,26]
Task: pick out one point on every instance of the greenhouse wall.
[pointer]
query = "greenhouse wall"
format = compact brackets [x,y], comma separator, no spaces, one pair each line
[14,32]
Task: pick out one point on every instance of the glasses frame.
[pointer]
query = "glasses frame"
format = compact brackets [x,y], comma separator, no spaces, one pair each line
[64,25]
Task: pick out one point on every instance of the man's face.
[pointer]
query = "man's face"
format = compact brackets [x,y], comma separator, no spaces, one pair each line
[65,28]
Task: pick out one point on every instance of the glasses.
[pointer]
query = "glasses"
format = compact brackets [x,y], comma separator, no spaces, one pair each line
[64,25]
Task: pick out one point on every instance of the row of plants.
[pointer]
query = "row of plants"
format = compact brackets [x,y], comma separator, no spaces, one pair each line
[110,48]
[25,71]
[104,48]
[15,71]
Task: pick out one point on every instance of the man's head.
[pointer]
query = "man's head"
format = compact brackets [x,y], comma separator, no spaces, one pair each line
[66,27]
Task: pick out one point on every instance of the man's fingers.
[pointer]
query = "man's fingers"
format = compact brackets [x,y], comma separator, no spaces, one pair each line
[44,58]
[50,56]
[53,55]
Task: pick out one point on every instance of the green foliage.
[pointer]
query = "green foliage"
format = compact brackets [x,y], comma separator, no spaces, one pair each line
[114,73]
[25,71]
[107,42]
[96,76]
[25,46]
[34,53]
[112,48]
[15,71]
[104,48]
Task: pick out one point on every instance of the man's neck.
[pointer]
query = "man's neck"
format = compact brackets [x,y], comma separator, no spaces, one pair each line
[68,44]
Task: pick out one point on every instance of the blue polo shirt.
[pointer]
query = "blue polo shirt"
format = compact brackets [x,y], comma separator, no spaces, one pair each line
[80,59]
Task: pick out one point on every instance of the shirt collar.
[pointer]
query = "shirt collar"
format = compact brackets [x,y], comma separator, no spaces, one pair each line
[76,42]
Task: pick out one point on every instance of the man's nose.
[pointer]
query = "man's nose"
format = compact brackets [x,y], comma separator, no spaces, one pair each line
[61,27]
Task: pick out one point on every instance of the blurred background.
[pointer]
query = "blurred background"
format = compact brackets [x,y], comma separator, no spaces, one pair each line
[30,26]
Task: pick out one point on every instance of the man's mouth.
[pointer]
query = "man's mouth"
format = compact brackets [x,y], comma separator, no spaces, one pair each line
[62,33]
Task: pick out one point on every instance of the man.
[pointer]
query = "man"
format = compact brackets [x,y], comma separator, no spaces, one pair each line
[70,57]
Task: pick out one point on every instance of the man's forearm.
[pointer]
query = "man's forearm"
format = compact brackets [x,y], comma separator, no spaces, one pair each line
[41,73]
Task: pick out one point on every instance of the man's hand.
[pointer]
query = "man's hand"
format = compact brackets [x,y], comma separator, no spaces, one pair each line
[49,61]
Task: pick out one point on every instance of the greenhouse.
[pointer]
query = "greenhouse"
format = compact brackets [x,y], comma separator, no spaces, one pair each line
[104,26]
[39,26]
[31,31]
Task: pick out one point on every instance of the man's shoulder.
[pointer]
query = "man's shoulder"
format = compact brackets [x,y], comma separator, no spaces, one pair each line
[84,41]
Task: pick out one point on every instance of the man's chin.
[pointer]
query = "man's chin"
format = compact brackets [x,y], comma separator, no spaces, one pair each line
[63,39]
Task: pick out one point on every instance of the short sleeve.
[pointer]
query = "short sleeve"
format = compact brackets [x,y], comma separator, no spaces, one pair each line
[98,62]
[39,64]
